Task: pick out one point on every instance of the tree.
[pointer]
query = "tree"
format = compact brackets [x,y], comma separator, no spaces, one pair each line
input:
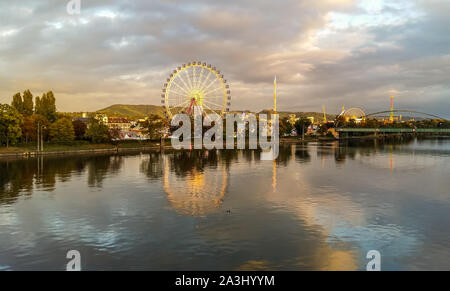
[43,123]
[370,123]
[97,132]
[301,125]
[46,106]
[80,129]
[286,127]
[62,131]
[30,124]
[27,103]
[28,129]
[114,133]
[154,126]
[17,102]
[10,122]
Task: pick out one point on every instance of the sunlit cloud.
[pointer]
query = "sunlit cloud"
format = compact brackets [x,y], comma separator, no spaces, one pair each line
[327,52]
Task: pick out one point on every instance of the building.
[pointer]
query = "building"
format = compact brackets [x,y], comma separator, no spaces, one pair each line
[102,117]
[120,123]
[312,129]
[130,135]
[82,119]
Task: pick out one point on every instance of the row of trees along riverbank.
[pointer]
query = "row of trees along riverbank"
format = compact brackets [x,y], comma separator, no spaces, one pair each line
[27,116]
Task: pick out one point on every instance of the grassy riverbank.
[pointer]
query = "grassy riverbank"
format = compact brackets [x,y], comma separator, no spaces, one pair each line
[77,146]
[82,146]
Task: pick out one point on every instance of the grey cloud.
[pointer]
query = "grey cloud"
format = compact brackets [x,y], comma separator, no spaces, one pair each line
[92,61]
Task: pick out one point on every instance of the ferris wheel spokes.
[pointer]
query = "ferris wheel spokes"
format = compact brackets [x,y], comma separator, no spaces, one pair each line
[214,90]
[195,88]
[184,82]
[183,89]
[189,80]
[186,103]
[212,103]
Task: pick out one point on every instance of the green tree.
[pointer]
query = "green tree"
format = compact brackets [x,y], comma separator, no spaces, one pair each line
[97,132]
[286,127]
[43,123]
[27,103]
[301,125]
[114,134]
[62,131]
[10,124]
[17,102]
[28,129]
[155,126]
[80,129]
[46,106]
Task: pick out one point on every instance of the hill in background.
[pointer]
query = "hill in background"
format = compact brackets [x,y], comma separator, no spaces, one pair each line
[142,111]
[132,111]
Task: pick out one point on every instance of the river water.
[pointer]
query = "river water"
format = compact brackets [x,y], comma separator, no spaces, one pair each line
[320,206]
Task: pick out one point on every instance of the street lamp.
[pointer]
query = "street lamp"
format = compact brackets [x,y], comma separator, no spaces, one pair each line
[40,137]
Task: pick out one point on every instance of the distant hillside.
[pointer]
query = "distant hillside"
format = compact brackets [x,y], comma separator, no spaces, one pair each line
[132,111]
[141,111]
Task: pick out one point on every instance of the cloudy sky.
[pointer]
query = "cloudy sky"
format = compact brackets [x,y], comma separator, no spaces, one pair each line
[324,52]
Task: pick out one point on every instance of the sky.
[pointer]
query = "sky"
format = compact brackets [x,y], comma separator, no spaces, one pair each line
[329,53]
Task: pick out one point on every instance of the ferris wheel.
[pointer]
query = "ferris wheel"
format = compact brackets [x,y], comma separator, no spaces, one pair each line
[195,84]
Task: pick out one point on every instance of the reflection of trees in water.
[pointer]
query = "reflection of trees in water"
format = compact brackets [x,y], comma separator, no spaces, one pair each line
[340,154]
[370,147]
[15,178]
[153,166]
[186,162]
[228,157]
[284,155]
[23,176]
[395,141]
[248,156]
[302,155]
[99,167]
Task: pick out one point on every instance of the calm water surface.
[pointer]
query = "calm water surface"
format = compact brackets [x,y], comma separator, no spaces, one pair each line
[319,207]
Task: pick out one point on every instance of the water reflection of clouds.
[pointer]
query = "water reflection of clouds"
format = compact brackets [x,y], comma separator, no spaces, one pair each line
[341,217]
[318,217]
[321,212]
[390,240]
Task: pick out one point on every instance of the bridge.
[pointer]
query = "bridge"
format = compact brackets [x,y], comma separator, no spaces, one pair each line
[406,111]
[359,114]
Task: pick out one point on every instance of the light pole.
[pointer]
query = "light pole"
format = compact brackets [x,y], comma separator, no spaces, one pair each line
[42,138]
[38,137]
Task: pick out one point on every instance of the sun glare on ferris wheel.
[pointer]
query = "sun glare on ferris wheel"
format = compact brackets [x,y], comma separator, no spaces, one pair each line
[196,85]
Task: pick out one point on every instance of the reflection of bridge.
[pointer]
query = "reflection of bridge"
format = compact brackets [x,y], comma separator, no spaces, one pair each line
[395,130]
